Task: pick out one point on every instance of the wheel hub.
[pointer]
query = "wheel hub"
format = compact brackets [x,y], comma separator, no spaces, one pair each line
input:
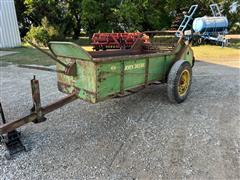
[183,82]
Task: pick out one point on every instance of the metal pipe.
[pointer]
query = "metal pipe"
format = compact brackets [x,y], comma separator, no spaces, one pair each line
[55,105]
[48,54]
[8,127]
[2,114]
[41,68]
[11,126]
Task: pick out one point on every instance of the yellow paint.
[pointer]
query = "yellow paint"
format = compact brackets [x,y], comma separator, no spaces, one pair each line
[87,48]
[183,83]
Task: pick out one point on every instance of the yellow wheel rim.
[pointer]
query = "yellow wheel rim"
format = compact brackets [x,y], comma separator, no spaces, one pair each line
[183,83]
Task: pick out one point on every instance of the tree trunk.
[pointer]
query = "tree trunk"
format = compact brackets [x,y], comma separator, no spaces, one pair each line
[76,32]
[77,28]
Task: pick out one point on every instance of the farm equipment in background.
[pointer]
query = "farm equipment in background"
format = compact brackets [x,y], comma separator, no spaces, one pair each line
[187,20]
[206,28]
[201,30]
[116,40]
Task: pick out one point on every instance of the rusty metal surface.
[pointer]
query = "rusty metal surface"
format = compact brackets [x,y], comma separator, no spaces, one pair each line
[148,51]
[36,94]
[40,68]
[146,72]
[10,126]
[117,58]
[57,104]
[113,53]
[117,40]
[36,100]
[122,77]
[71,70]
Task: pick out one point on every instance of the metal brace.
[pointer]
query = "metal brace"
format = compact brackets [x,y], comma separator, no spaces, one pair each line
[37,101]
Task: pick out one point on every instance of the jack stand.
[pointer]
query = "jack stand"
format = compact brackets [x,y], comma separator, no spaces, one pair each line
[11,140]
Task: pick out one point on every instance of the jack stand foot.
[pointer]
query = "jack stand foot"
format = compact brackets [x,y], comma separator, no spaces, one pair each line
[12,143]
[11,140]
[42,119]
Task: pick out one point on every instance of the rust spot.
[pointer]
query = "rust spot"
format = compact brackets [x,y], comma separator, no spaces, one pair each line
[71,69]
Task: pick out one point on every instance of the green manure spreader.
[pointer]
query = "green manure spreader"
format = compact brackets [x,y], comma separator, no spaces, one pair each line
[100,75]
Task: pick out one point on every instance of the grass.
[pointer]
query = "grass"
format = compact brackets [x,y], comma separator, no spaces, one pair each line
[216,52]
[29,55]
[83,41]
[235,44]
[87,48]
[226,56]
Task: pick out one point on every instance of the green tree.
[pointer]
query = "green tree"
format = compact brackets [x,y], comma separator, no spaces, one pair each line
[70,16]
[142,15]
[73,17]
[91,15]
[233,17]
[127,16]
[24,23]
[154,14]
[36,10]
[97,15]
[43,33]
[65,15]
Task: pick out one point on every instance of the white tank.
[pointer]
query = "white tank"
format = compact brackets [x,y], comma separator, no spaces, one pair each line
[210,24]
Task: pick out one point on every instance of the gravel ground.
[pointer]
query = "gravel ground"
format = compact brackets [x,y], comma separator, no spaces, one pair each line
[141,136]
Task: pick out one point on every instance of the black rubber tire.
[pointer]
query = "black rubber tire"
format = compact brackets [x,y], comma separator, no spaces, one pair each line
[174,78]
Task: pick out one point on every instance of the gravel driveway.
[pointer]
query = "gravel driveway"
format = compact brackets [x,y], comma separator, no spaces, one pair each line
[141,136]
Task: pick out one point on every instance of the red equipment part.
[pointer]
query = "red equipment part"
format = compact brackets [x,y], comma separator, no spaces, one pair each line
[116,40]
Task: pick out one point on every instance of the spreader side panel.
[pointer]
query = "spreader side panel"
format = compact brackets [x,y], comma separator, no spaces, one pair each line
[84,81]
[108,79]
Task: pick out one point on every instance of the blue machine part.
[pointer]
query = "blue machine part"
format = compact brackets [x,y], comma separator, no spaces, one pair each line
[210,24]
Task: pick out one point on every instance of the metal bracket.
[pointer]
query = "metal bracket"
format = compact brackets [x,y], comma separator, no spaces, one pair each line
[11,140]
[37,101]
[216,10]
[71,70]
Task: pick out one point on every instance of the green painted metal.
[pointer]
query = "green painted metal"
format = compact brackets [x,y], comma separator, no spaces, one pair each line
[99,79]
[68,49]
